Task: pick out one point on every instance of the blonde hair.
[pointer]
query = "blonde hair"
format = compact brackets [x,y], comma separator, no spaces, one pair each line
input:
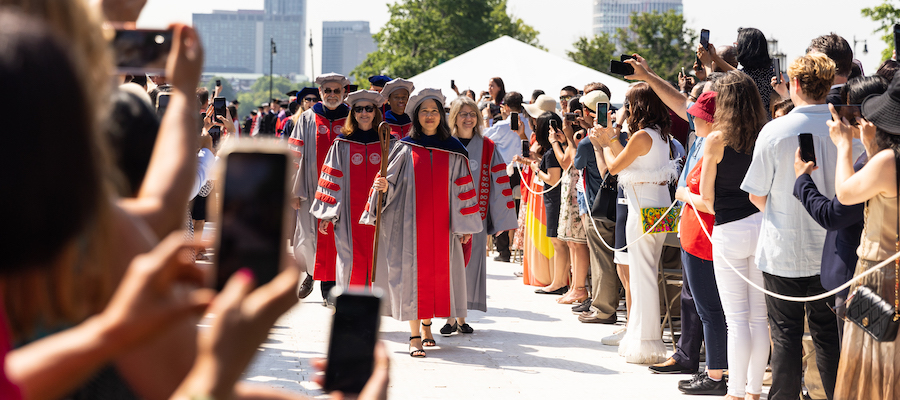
[815,73]
[455,107]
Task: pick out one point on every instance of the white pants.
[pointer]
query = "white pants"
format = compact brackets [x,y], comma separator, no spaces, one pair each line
[734,243]
[642,343]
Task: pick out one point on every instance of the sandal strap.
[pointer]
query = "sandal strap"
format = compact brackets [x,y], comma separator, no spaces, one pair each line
[414,337]
[423,324]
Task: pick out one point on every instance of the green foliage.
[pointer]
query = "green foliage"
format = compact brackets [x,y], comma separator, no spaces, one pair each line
[421,34]
[594,52]
[259,93]
[662,39]
[886,14]
[227,91]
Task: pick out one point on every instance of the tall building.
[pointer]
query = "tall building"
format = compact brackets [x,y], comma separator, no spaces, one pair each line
[345,44]
[239,41]
[612,14]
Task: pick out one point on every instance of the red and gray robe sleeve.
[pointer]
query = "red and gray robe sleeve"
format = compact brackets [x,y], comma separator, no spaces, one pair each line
[501,207]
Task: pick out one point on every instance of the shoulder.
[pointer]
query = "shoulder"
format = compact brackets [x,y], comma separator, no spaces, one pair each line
[715,138]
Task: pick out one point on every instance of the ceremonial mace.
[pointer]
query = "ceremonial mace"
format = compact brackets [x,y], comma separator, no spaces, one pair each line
[384,138]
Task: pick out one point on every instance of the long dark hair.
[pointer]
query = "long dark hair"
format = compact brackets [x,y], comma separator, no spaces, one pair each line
[443,130]
[350,126]
[542,129]
[499,82]
[647,110]
[740,113]
[752,49]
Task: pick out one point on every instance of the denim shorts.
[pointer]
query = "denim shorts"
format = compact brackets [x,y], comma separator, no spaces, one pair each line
[582,203]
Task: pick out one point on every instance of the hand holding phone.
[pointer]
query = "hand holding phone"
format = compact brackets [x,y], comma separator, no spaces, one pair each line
[776,66]
[526,149]
[142,51]
[620,68]
[602,110]
[807,148]
[219,107]
[453,85]
[704,38]
[354,333]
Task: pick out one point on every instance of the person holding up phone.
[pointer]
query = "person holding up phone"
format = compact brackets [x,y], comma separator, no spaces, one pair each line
[396,93]
[315,133]
[343,188]
[430,210]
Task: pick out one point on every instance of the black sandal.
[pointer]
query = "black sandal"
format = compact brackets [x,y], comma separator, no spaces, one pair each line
[428,342]
[415,352]
[448,329]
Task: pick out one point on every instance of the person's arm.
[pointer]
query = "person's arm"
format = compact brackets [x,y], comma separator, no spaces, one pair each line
[684,194]
[619,157]
[675,100]
[713,151]
[724,66]
[759,201]
[828,213]
[558,150]
[170,174]
[877,177]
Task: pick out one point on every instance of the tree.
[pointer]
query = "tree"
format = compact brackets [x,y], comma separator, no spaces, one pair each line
[662,39]
[887,15]
[421,34]
[593,52]
[227,91]
[259,93]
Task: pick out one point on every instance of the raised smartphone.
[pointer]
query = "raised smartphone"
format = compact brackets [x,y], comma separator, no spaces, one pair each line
[219,107]
[162,104]
[776,66]
[807,149]
[514,121]
[141,51]
[704,38]
[897,38]
[526,149]
[570,117]
[602,109]
[354,333]
[251,224]
[624,57]
[621,68]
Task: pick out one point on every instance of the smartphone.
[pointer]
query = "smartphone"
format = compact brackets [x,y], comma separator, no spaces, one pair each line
[602,109]
[142,51]
[216,133]
[218,82]
[704,38]
[162,103]
[570,117]
[554,125]
[452,83]
[526,149]
[624,57]
[897,38]
[776,66]
[354,333]
[219,106]
[618,67]
[253,211]
[514,121]
[807,149]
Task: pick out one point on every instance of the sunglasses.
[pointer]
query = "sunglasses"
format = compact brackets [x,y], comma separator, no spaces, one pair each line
[565,98]
[367,109]
[309,99]
[329,91]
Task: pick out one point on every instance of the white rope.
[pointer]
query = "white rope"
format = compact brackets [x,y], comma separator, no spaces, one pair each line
[790,298]
[519,166]
[594,225]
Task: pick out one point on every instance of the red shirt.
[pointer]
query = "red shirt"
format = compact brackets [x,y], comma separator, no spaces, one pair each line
[693,239]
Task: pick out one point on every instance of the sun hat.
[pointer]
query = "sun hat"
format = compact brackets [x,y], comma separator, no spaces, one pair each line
[591,99]
[421,96]
[365,95]
[540,105]
[883,110]
[705,107]
[332,77]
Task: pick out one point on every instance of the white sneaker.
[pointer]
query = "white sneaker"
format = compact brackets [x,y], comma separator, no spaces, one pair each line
[615,338]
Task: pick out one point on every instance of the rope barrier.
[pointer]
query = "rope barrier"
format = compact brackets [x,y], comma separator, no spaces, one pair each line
[594,225]
[519,166]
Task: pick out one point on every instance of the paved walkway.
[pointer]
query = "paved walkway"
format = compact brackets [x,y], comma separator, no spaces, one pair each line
[525,347]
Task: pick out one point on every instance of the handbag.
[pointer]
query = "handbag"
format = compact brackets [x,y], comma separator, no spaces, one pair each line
[604,207]
[871,312]
[668,223]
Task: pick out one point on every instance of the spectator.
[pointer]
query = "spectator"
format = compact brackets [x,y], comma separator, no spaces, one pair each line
[752,54]
[489,101]
[838,50]
[566,94]
[788,229]
[888,69]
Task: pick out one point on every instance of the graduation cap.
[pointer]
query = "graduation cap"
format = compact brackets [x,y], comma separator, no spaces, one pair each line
[306,92]
[379,80]
[292,93]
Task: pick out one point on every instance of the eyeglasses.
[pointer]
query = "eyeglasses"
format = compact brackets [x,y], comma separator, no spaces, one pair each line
[329,91]
[465,115]
[429,113]
[565,98]
[309,99]
[367,109]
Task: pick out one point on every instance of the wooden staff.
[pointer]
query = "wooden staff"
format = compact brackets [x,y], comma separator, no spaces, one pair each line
[384,137]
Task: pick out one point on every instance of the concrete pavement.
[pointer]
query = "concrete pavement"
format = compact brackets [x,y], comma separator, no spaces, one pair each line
[525,347]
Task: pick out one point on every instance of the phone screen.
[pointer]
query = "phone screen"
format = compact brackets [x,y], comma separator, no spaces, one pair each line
[704,38]
[162,103]
[453,83]
[807,149]
[139,51]
[554,125]
[514,121]
[526,149]
[602,109]
[897,38]
[618,67]
[570,117]
[219,106]
[252,216]
[354,332]
[776,67]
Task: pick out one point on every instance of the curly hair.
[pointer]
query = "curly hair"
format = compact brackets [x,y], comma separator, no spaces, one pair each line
[815,72]
[647,110]
[740,113]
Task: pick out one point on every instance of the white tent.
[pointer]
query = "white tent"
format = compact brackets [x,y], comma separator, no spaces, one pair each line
[523,68]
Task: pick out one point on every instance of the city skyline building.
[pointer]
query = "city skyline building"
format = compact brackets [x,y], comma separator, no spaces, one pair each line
[239,41]
[609,15]
[345,45]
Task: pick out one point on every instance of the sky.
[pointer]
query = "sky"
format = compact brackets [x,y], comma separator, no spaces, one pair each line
[792,23]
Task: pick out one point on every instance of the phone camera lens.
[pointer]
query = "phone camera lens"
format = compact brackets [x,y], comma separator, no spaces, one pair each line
[159,39]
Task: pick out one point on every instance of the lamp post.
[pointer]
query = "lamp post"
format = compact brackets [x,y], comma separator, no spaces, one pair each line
[775,52]
[312,63]
[271,59]
[865,45]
